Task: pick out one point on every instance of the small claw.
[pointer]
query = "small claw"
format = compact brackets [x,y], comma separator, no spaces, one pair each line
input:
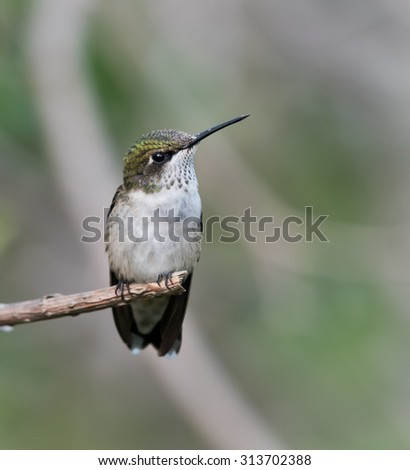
[159,279]
[121,286]
[167,278]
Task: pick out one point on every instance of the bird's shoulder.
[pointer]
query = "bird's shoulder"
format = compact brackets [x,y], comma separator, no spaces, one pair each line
[120,195]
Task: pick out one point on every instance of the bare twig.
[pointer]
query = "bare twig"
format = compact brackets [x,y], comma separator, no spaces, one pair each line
[57,305]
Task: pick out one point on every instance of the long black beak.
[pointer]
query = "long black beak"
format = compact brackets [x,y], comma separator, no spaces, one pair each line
[201,135]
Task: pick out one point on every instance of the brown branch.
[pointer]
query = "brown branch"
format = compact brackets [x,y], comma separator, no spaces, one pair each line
[58,305]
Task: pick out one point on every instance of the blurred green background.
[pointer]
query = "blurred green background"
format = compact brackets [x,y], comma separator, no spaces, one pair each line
[313,337]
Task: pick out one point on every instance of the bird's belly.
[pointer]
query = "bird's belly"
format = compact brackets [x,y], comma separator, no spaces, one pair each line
[146,240]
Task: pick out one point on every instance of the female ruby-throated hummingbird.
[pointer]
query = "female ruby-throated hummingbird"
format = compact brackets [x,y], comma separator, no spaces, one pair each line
[154,228]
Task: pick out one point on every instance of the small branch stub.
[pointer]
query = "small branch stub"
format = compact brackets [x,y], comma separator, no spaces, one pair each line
[57,305]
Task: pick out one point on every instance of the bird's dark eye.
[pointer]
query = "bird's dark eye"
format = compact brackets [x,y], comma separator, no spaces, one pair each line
[159,157]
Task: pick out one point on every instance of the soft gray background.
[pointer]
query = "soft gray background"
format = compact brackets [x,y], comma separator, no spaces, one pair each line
[292,345]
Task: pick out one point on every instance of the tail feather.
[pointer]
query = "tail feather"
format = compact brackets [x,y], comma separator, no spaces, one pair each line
[166,336]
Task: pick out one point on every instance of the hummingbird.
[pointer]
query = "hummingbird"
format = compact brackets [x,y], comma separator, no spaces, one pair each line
[148,237]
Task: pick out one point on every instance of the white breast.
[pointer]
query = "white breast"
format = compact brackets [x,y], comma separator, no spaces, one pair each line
[140,246]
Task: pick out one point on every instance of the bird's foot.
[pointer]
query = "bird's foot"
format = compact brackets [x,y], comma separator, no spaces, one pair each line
[167,278]
[121,286]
